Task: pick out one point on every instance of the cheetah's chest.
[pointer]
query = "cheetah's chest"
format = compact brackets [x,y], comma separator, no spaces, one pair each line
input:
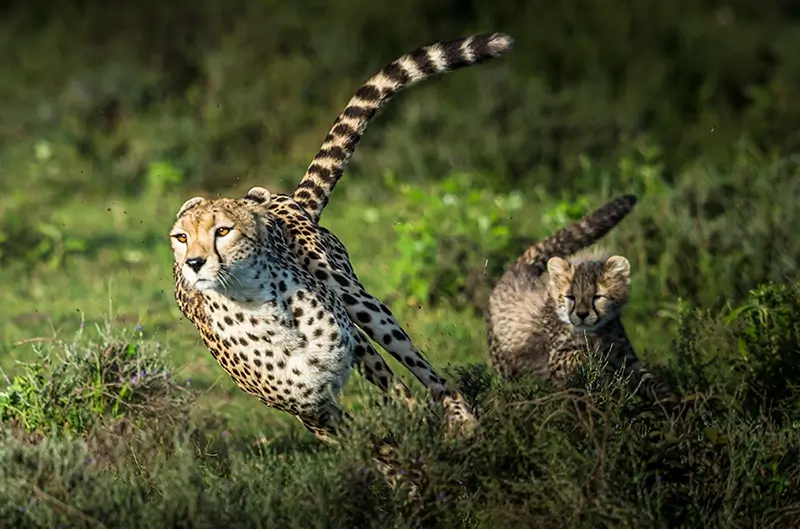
[285,351]
[571,347]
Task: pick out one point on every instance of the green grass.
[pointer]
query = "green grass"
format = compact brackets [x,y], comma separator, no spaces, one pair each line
[126,279]
[543,458]
[111,118]
[546,458]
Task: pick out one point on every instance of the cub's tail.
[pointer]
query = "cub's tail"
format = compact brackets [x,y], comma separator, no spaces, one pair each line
[577,236]
[313,191]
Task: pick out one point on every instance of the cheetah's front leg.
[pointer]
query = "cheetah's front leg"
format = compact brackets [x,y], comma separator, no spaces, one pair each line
[644,382]
[327,423]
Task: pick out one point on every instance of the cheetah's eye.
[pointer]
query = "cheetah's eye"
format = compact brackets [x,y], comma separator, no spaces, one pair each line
[598,296]
[180,237]
[570,298]
[222,232]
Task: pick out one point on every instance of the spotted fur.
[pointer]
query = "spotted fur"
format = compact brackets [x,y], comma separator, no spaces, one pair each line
[547,312]
[325,170]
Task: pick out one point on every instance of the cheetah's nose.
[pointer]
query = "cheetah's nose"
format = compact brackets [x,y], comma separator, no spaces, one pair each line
[582,315]
[195,263]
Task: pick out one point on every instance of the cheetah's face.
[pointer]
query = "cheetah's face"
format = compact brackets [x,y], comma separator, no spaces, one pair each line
[589,294]
[215,243]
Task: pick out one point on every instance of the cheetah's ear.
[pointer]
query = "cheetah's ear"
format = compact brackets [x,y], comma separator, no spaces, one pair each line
[558,268]
[618,268]
[189,204]
[259,194]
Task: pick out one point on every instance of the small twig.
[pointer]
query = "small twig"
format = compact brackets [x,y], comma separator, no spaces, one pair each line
[58,503]
[31,340]
[571,393]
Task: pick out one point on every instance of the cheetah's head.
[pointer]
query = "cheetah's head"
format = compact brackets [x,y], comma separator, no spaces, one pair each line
[588,294]
[216,242]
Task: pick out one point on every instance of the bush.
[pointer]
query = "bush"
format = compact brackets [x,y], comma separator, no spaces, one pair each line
[445,234]
[752,350]
[541,459]
[74,388]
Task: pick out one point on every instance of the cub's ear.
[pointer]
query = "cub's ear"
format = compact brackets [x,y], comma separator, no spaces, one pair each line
[260,195]
[559,269]
[189,204]
[617,268]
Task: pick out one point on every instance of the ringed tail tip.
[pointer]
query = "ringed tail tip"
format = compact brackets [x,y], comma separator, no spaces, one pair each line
[501,43]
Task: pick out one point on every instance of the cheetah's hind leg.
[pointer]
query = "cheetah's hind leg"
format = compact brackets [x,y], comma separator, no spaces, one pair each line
[378,322]
[378,372]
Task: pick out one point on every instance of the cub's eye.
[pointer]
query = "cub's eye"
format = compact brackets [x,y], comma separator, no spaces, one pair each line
[180,237]
[222,232]
[569,298]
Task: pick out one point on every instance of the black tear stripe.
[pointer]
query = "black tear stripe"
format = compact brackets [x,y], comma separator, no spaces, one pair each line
[257,200]
[327,166]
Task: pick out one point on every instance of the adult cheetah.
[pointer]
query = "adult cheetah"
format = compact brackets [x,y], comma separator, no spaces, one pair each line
[273,294]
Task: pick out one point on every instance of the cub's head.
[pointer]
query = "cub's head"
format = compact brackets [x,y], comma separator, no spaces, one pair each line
[588,294]
[216,242]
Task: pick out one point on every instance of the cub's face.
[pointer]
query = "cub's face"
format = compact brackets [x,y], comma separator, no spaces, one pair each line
[589,294]
[215,244]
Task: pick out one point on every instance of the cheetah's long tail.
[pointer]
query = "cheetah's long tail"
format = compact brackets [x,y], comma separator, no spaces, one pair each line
[577,236]
[313,191]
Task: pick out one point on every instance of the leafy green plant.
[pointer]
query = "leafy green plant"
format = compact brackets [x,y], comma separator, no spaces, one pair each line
[445,231]
[161,176]
[32,241]
[767,332]
[75,386]
[456,236]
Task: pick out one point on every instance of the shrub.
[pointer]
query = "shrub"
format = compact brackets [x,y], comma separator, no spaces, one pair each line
[75,387]
[541,458]
[752,350]
[449,236]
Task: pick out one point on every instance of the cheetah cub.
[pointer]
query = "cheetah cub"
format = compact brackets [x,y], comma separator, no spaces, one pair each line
[548,311]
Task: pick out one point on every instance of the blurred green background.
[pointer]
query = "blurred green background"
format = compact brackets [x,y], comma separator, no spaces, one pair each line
[112,114]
